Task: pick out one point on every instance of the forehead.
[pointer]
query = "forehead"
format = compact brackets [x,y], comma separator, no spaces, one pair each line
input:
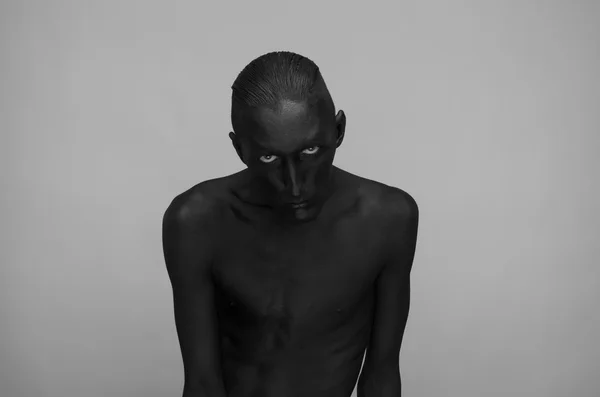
[290,126]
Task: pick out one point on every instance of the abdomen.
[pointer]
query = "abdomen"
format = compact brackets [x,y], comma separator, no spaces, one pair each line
[314,356]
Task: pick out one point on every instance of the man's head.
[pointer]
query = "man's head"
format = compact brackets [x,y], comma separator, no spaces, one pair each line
[286,131]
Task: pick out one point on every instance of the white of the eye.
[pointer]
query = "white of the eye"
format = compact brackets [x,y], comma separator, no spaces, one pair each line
[311,150]
[268,159]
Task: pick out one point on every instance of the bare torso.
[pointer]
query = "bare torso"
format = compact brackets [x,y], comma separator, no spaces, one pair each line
[265,308]
[295,306]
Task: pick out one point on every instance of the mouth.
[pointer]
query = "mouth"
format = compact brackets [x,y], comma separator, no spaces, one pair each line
[302,204]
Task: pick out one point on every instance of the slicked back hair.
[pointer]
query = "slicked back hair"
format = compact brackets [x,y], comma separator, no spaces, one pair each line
[273,77]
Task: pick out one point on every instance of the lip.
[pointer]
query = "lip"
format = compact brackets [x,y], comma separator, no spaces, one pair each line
[302,204]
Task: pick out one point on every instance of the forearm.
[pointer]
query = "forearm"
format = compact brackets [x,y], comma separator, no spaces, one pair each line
[382,383]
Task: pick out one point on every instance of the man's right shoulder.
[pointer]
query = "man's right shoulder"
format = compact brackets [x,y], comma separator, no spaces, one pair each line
[200,204]
[189,228]
[187,233]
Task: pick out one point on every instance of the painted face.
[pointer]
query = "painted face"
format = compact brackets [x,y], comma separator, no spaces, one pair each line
[290,152]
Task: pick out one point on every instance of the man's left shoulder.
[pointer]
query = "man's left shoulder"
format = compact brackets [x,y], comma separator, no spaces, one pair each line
[379,201]
[398,204]
[390,203]
[398,220]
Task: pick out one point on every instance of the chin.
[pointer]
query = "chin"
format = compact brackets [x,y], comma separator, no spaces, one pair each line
[306,214]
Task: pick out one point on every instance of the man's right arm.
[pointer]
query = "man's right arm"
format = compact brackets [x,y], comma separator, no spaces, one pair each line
[187,251]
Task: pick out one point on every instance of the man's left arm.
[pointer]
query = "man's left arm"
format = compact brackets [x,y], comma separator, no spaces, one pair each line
[380,376]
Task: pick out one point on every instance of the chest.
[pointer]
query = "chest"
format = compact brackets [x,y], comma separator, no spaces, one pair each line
[316,273]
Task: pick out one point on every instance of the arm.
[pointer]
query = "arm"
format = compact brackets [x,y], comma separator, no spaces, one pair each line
[188,259]
[380,376]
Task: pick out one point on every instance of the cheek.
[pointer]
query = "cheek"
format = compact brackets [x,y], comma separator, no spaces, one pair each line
[318,176]
[266,180]
[273,180]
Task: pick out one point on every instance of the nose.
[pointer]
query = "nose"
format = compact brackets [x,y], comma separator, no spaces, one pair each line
[290,178]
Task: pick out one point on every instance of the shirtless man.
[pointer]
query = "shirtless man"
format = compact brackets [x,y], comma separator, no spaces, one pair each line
[285,272]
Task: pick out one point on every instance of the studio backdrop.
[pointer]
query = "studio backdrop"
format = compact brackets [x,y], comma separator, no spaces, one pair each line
[487,113]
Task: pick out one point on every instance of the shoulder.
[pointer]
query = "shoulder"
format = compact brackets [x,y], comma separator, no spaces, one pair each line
[190,228]
[400,220]
[396,216]
[199,205]
[379,199]
[190,206]
[392,209]
[398,204]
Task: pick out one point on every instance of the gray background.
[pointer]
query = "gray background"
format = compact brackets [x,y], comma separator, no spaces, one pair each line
[486,112]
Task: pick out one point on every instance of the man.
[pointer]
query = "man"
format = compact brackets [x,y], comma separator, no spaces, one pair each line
[285,272]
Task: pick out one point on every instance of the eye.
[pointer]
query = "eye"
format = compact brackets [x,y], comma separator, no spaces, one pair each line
[268,158]
[311,150]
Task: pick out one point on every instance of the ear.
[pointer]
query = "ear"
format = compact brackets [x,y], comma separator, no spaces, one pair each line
[237,146]
[340,124]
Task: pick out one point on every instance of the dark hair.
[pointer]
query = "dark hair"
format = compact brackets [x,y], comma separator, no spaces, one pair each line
[273,77]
